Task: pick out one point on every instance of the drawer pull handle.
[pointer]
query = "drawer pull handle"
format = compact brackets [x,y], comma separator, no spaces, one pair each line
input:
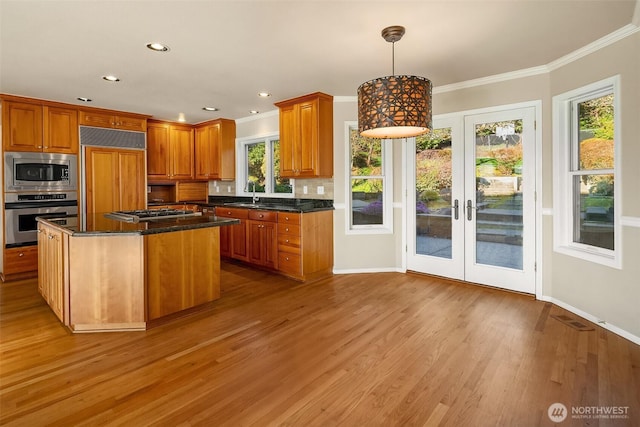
[287,241]
[261,215]
[21,254]
[286,258]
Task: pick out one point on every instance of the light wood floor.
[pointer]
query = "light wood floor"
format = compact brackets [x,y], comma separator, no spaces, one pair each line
[354,350]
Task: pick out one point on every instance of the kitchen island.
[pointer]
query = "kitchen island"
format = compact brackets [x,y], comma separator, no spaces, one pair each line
[125,276]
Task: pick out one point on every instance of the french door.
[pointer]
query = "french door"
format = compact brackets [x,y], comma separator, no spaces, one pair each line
[472,216]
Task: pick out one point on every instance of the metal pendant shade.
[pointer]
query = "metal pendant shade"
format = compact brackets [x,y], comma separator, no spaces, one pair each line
[394,106]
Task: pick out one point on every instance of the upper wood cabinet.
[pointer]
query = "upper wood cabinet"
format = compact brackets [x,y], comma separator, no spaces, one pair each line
[113,120]
[306,136]
[34,127]
[215,154]
[60,130]
[169,151]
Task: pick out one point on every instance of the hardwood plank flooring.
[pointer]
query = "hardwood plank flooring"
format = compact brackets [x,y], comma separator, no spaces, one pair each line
[352,350]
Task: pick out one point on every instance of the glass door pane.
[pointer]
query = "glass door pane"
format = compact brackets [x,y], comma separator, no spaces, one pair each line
[498,193]
[433,208]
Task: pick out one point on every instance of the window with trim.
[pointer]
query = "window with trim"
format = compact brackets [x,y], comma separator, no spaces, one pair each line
[259,163]
[586,165]
[369,185]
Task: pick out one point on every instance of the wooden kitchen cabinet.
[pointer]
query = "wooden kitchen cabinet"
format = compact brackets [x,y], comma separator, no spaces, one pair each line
[21,126]
[215,154]
[263,238]
[112,120]
[20,262]
[169,151]
[114,180]
[51,280]
[37,128]
[234,238]
[306,136]
[305,244]
[297,245]
[60,130]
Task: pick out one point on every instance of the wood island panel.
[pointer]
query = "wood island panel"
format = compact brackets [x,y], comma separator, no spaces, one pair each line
[107,277]
[183,270]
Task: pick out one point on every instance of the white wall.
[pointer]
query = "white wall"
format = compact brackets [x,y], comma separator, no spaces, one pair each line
[594,291]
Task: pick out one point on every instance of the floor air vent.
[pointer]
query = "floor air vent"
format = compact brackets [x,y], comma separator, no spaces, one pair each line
[569,321]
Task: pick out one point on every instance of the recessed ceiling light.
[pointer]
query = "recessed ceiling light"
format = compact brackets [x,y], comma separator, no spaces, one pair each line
[83,99]
[158,47]
[264,94]
[253,111]
[209,108]
[111,78]
[181,117]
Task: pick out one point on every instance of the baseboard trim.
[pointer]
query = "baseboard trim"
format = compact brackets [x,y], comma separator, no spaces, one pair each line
[368,270]
[608,326]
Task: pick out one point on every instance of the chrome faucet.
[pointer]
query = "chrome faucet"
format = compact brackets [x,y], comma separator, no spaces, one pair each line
[253,183]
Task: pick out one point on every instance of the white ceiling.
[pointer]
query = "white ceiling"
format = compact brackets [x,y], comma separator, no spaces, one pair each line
[224,52]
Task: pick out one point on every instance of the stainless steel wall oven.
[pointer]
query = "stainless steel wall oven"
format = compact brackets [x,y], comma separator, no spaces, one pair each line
[22,209]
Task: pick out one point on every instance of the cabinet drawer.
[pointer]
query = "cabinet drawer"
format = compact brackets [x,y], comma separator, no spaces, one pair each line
[232,212]
[289,263]
[287,243]
[257,215]
[291,230]
[20,260]
[289,218]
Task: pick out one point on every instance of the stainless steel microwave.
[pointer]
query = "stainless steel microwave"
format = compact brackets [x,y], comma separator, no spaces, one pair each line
[25,171]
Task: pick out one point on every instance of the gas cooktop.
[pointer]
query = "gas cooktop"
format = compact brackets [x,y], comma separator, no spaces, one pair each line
[149,214]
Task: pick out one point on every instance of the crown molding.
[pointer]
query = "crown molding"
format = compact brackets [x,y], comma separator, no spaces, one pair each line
[602,42]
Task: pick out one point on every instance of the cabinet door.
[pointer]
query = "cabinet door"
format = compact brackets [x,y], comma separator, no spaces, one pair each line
[306,151]
[130,178]
[43,271]
[225,241]
[239,244]
[20,260]
[158,151]
[55,276]
[21,126]
[203,153]
[60,130]
[96,119]
[288,140]
[263,243]
[181,152]
[131,123]
[114,180]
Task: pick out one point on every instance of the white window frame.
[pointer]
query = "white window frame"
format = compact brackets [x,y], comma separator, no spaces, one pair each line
[564,141]
[387,184]
[241,168]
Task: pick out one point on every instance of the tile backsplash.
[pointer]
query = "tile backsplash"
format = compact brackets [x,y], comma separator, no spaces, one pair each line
[314,187]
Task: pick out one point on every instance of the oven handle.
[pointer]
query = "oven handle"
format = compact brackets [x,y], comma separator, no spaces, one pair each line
[52,204]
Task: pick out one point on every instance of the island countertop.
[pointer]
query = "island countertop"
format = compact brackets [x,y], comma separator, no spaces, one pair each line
[100,225]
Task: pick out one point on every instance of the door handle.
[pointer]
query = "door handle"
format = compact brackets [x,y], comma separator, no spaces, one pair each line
[469,209]
[456,208]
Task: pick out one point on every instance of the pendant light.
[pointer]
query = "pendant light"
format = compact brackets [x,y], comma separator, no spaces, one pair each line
[394,106]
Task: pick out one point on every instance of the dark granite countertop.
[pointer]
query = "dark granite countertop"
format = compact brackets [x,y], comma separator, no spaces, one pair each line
[101,225]
[275,204]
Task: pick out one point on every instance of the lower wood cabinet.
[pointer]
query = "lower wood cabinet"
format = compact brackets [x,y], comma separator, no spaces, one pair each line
[51,283]
[305,244]
[298,245]
[263,240]
[20,262]
[234,238]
